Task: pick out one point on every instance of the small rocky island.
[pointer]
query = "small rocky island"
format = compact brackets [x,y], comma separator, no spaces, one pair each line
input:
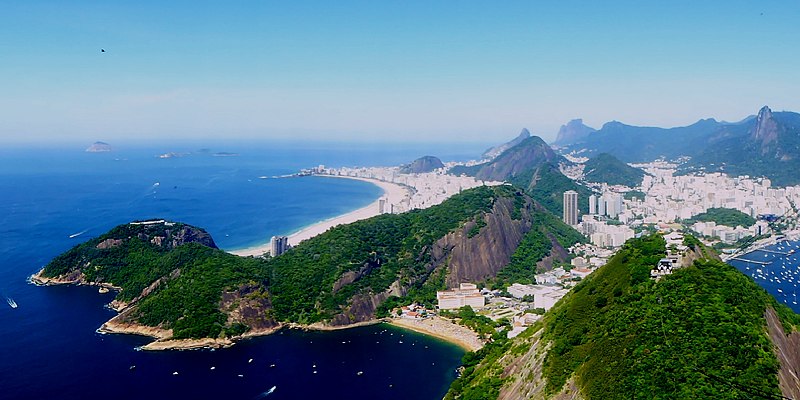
[99,147]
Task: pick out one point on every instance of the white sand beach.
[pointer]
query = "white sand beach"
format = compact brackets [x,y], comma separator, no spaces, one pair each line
[394,194]
[444,329]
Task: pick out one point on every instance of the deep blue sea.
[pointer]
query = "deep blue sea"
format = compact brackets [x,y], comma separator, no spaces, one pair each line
[776,268]
[48,345]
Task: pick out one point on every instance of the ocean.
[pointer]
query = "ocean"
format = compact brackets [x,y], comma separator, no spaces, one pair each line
[776,268]
[54,198]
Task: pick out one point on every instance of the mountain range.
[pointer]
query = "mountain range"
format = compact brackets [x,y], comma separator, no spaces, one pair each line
[533,166]
[767,144]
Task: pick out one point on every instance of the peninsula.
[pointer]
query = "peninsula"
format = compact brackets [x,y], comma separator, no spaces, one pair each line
[176,286]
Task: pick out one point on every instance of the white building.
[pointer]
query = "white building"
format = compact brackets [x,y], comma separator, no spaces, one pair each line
[467,294]
[571,207]
[543,296]
[278,245]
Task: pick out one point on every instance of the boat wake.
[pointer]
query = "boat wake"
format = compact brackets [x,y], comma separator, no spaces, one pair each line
[11,302]
[74,235]
[267,393]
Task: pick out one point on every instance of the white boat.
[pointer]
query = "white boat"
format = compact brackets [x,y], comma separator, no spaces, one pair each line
[11,302]
[74,235]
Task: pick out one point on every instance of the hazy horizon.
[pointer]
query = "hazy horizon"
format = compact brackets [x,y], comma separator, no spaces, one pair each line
[384,72]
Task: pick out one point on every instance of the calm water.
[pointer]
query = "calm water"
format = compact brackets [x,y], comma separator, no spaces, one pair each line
[48,346]
[776,268]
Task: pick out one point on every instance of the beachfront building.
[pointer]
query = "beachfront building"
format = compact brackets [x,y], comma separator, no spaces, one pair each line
[278,245]
[467,294]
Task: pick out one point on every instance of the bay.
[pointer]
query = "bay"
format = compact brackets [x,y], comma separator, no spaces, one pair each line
[54,198]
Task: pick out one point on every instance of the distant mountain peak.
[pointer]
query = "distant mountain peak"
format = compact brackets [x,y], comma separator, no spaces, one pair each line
[765,130]
[525,155]
[497,150]
[572,132]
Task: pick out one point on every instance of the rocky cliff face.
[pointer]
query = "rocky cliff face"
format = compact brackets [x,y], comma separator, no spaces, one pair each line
[248,305]
[472,259]
[362,306]
[787,349]
[466,256]
[170,235]
[765,130]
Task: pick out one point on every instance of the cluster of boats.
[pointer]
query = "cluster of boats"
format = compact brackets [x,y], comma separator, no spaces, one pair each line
[775,265]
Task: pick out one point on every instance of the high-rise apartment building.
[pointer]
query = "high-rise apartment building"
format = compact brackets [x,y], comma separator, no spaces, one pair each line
[278,245]
[571,207]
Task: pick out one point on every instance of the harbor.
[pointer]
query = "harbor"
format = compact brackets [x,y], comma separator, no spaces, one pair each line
[775,267]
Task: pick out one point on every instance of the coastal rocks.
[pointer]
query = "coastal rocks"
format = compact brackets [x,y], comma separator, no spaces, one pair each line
[250,306]
[75,276]
[121,325]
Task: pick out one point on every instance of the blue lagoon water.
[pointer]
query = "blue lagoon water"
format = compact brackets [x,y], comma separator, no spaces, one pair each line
[53,199]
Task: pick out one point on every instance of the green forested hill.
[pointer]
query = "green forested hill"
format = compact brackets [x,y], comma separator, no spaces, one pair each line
[384,248]
[724,216]
[546,184]
[698,333]
[606,168]
[194,289]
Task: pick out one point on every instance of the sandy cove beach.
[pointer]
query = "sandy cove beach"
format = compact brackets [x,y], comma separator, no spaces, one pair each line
[442,329]
[393,192]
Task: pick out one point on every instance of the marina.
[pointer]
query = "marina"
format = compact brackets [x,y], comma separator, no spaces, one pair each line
[775,267]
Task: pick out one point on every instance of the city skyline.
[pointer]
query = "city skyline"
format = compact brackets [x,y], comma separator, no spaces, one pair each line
[85,71]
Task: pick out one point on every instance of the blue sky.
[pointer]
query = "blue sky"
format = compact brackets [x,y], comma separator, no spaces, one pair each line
[385,70]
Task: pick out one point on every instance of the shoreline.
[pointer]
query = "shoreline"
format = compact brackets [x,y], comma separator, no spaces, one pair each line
[436,326]
[443,329]
[395,193]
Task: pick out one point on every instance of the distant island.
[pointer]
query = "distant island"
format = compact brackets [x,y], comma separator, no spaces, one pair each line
[99,147]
